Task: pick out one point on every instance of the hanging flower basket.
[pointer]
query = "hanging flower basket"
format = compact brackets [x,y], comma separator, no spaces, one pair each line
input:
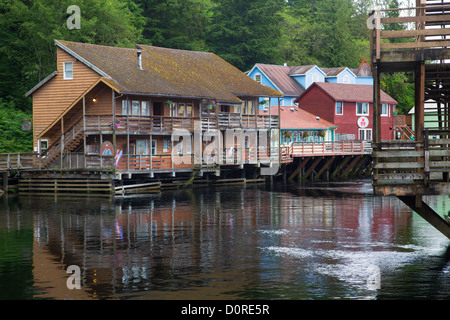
[211,105]
[115,124]
[305,134]
[287,135]
[322,134]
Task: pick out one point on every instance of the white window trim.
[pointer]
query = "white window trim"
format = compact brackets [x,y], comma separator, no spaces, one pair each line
[64,70]
[362,114]
[346,79]
[388,109]
[260,77]
[40,144]
[365,134]
[342,108]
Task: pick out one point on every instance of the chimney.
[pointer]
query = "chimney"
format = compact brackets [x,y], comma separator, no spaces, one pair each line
[139,57]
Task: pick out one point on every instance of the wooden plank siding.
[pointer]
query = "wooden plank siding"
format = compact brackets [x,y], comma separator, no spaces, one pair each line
[51,100]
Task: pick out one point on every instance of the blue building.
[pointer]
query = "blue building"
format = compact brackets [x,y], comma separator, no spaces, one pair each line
[291,81]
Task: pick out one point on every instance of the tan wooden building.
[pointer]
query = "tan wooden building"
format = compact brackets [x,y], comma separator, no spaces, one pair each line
[117,108]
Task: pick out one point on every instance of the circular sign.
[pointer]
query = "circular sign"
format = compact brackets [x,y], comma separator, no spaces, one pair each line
[26,126]
[363,122]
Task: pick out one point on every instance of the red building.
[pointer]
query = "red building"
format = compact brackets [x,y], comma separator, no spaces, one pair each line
[350,108]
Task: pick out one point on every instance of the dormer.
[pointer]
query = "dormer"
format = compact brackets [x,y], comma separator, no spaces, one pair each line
[307,75]
[340,75]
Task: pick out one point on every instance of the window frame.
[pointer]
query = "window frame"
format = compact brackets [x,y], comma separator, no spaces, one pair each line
[387,110]
[362,113]
[65,70]
[365,130]
[260,78]
[336,108]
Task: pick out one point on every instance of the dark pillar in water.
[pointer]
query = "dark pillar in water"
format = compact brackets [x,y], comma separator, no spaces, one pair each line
[5,176]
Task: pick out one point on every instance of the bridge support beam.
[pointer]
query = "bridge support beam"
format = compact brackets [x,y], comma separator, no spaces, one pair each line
[421,208]
[326,166]
[338,169]
[311,168]
[299,168]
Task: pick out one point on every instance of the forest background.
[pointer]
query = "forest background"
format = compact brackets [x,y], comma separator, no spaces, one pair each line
[328,33]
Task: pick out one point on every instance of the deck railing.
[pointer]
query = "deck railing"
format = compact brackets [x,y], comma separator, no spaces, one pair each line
[420,23]
[145,162]
[18,161]
[411,162]
[319,148]
[224,120]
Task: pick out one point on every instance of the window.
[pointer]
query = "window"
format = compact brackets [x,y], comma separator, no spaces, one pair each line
[141,147]
[315,77]
[154,147]
[43,146]
[258,78]
[68,70]
[385,109]
[145,108]
[339,107]
[124,107]
[251,107]
[188,110]
[365,134]
[362,109]
[135,108]
[346,79]
[180,110]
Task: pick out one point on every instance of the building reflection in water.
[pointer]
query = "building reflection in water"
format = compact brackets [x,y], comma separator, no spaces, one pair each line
[201,243]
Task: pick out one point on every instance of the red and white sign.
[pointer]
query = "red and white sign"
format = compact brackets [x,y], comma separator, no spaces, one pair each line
[363,122]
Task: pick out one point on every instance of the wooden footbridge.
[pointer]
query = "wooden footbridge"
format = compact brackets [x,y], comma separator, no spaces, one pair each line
[411,169]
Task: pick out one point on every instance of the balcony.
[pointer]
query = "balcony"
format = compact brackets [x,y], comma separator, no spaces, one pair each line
[159,124]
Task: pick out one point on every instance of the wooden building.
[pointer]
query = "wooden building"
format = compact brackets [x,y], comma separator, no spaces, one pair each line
[118,109]
[350,108]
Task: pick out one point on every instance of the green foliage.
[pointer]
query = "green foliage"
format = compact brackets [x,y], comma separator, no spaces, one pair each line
[12,138]
[245,32]
[329,33]
[400,87]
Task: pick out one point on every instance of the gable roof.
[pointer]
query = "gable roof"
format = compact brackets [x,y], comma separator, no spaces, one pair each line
[348,92]
[168,72]
[280,76]
[295,118]
[334,72]
[363,70]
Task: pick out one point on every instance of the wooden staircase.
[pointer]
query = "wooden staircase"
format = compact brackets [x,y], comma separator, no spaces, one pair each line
[69,141]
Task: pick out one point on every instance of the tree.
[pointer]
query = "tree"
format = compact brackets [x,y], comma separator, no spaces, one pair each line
[12,137]
[245,32]
[179,24]
[28,30]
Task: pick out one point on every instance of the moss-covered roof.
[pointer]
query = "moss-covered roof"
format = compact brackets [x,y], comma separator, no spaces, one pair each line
[169,72]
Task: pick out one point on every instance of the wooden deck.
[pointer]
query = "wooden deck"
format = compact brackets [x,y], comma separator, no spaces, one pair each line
[412,169]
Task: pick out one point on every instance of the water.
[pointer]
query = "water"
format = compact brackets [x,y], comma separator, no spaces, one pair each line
[324,241]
